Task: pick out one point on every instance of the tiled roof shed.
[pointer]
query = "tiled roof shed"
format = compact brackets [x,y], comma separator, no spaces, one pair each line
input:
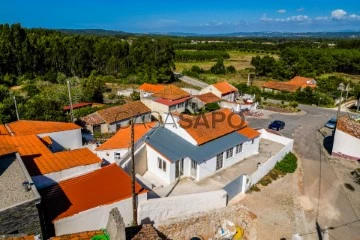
[122,138]
[208,97]
[29,127]
[101,187]
[171,92]
[152,88]
[117,113]
[225,87]
[349,126]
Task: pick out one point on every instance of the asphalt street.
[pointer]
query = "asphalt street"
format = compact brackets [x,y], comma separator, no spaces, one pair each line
[326,202]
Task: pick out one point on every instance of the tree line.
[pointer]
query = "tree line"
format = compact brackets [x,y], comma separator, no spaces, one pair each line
[201,55]
[29,53]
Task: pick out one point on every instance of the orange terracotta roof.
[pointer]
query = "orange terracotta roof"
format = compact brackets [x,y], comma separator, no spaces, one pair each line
[47,140]
[249,132]
[203,128]
[123,137]
[301,81]
[349,126]
[31,145]
[31,237]
[171,92]
[3,130]
[225,87]
[153,88]
[117,113]
[78,105]
[208,98]
[78,236]
[6,145]
[101,187]
[280,86]
[29,127]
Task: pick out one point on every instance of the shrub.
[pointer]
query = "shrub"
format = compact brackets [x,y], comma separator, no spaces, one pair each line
[294,104]
[231,69]
[196,69]
[288,164]
[212,106]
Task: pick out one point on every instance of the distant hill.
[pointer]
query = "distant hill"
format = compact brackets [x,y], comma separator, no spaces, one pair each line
[102,32]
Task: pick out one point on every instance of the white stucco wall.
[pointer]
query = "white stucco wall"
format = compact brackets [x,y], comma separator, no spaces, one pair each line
[161,209]
[229,97]
[70,139]
[346,144]
[211,89]
[152,160]
[109,155]
[96,218]
[171,123]
[42,181]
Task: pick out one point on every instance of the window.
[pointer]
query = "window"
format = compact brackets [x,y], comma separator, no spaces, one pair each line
[117,156]
[219,161]
[229,153]
[239,148]
[161,164]
[173,107]
[180,105]
[252,141]
[193,164]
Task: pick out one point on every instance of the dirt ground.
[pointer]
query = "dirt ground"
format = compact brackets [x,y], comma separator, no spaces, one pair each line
[278,209]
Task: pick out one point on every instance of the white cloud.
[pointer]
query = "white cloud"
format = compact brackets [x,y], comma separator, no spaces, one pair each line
[300,9]
[297,18]
[338,13]
[281,11]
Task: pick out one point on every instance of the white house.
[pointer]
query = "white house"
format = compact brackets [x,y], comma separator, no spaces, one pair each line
[107,120]
[58,135]
[223,90]
[83,203]
[199,146]
[164,98]
[347,139]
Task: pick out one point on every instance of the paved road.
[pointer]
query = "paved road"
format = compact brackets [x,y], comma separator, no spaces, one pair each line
[335,209]
[193,81]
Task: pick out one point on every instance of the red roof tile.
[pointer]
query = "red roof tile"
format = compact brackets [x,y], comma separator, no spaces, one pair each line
[171,102]
[152,88]
[123,137]
[207,127]
[208,97]
[6,145]
[171,92]
[101,187]
[249,132]
[117,113]
[292,85]
[225,87]
[29,127]
[78,105]
[349,126]
[3,130]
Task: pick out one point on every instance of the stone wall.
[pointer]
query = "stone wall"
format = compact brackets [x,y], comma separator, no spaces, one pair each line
[23,218]
[206,224]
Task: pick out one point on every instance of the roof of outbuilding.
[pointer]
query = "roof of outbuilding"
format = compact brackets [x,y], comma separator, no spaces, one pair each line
[6,145]
[207,127]
[29,127]
[349,126]
[171,92]
[249,132]
[122,138]
[171,102]
[208,97]
[117,113]
[280,86]
[3,130]
[174,148]
[225,87]
[153,88]
[101,187]
[78,105]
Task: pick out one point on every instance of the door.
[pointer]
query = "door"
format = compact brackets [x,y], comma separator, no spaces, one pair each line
[193,169]
[179,168]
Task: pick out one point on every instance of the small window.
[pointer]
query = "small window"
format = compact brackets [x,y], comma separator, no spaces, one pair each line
[252,141]
[193,164]
[161,164]
[219,161]
[239,148]
[117,156]
[229,153]
[180,105]
[173,107]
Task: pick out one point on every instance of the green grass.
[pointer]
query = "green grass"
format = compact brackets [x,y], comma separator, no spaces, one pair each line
[353,78]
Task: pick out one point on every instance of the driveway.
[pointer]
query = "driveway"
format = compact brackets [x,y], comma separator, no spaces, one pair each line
[327,201]
[193,81]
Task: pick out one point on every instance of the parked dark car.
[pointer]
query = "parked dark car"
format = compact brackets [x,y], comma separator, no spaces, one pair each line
[277,125]
[331,123]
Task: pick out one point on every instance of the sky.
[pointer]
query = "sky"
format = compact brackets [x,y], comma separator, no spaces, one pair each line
[196,16]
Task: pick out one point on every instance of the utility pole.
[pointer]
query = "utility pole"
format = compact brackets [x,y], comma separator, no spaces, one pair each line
[133,173]
[16,109]
[341,89]
[71,108]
